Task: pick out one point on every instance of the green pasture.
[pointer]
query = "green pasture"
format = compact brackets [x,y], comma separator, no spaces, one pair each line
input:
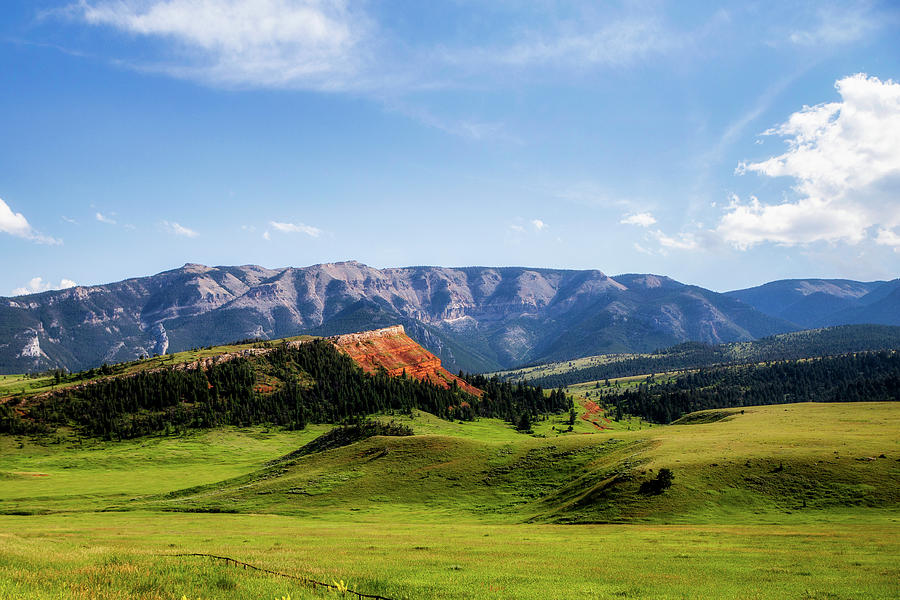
[791,501]
[555,368]
[416,556]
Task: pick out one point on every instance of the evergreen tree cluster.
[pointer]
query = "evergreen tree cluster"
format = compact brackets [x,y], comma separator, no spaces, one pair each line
[314,383]
[510,401]
[862,377]
[833,341]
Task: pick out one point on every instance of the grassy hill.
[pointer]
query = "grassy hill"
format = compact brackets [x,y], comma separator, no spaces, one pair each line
[796,501]
[790,500]
[751,466]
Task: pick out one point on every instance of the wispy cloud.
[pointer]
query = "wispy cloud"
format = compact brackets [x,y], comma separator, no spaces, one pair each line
[259,43]
[617,42]
[296,228]
[683,241]
[466,128]
[104,218]
[538,224]
[17,225]
[37,285]
[178,229]
[837,24]
[334,45]
[644,219]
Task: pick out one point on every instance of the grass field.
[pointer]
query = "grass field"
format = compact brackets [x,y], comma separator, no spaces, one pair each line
[787,501]
[120,555]
[555,368]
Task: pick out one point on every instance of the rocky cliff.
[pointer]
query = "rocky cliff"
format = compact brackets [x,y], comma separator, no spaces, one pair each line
[474,318]
[395,352]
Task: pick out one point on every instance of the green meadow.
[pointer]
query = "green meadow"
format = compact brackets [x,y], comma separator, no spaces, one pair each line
[792,501]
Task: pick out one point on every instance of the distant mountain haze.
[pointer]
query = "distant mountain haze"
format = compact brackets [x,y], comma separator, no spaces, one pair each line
[825,302]
[473,318]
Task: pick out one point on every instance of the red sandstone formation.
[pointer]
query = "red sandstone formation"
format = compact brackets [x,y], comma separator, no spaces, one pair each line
[394,351]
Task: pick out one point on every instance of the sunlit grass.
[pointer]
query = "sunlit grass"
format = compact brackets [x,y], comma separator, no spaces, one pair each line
[789,501]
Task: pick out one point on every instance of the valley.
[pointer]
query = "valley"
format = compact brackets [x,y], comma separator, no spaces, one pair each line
[759,500]
[360,459]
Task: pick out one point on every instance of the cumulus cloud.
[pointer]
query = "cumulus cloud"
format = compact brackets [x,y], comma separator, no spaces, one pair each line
[16,224]
[104,218]
[887,237]
[178,229]
[37,285]
[844,158]
[270,43]
[644,219]
[538,224]
[13,223]
[296,228]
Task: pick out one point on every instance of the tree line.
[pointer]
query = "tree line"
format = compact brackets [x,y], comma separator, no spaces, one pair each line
[861,377]
[832,341]
[312,383]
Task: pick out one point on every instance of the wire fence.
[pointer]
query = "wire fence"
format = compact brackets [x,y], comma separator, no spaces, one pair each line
[305,580]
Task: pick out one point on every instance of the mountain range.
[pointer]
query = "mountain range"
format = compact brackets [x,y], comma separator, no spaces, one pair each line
[473,318]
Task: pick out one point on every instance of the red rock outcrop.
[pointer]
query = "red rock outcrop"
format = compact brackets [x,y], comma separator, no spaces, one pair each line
[394,351]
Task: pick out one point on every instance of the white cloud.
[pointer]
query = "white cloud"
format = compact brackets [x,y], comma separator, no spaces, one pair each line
[37,285]
[887,237]
[181,230]
[266,235]
[517,228]
[268,43]
[337,45]
[802,222]
[616,42]
[13,223]
[16,224]
[838,24]
[684,241]
[844,158]
[104,218]
[538,224]
[296,228]
[644,219]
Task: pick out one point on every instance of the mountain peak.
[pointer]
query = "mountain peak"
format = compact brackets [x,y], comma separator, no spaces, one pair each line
[195,268]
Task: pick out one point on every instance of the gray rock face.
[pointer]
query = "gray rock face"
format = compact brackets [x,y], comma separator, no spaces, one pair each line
[475,318]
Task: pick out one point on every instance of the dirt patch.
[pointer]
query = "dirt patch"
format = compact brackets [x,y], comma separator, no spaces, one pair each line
[397,353]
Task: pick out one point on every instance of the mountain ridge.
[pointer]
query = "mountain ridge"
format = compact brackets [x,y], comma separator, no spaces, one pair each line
[474,318]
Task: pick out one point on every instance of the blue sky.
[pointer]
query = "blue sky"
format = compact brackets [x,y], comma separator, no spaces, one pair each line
[722,145]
